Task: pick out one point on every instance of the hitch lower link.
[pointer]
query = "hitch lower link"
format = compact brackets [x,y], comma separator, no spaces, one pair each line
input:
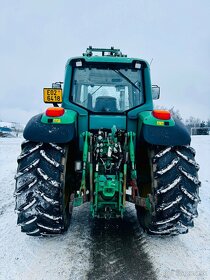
[81,196]
[147,203]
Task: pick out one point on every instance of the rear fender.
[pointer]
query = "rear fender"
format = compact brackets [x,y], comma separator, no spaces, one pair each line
[162,132]
[42,128]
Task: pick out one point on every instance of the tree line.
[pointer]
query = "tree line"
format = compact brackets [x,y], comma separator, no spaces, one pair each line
[191,122]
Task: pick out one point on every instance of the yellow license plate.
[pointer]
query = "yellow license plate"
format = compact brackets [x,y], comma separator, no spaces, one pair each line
[52,95]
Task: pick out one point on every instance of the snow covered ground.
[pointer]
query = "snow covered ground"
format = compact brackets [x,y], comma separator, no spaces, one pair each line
[76,254]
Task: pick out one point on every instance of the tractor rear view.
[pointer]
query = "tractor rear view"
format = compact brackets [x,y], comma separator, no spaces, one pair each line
[106,145]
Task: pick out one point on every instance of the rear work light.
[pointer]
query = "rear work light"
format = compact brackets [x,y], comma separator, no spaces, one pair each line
[161,114]
[54,112]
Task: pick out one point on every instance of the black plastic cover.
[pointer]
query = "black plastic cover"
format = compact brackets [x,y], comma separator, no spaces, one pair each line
[165,135]
[37,131]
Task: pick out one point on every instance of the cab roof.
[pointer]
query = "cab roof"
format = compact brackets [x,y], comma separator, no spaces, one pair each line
[111,55]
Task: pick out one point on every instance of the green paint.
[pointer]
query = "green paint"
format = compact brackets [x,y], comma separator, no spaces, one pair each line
[148,204]
[108,185]
[148,118]
[131,137]
[95,206]
[91,181]
[68,117]
[107,121]
[85,159]
[124,179]
[78,201]
[85,147]
[113,59]
[86,121]
[108,190]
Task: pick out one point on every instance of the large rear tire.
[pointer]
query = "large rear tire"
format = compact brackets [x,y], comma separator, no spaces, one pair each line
[43,188]
[174,185]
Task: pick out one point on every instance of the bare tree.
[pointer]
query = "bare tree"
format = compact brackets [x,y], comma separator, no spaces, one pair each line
[17,128]
[174,112]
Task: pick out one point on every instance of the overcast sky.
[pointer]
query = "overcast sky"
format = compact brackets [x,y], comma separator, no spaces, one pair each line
[37,37]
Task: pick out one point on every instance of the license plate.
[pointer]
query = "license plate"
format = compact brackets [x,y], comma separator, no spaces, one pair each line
[52,95]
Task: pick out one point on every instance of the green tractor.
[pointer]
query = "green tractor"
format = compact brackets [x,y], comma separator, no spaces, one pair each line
[106,145]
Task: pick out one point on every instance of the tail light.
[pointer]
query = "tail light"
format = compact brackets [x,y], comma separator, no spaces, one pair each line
[161,114]
[55,112]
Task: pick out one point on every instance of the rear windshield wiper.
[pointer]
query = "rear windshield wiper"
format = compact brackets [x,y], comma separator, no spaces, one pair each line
[127,79]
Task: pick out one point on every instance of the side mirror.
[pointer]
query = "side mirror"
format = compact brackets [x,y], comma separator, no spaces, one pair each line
[155,92]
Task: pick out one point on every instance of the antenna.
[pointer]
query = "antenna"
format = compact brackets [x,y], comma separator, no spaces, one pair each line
[151,62]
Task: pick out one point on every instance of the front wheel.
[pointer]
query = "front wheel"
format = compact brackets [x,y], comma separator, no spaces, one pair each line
[174,186]
[43,188]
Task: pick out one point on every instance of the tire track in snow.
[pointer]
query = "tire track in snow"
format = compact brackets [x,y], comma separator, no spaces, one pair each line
[119,250]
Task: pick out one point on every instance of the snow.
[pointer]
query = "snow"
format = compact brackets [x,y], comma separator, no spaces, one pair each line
[69,256]
[169,186]
[166,206]
[188,159]
[51,161]
[162,153]
[52,201]
[6,124]
[169,167]
[190,176]
[46,178]
[29,152]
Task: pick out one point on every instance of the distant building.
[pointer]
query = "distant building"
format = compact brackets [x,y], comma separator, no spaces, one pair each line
[200,130]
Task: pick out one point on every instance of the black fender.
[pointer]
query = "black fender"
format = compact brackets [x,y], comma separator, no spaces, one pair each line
[166,135]
[37,131]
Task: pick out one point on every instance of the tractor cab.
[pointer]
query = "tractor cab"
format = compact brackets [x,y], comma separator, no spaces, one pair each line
[107,89]
[107,82]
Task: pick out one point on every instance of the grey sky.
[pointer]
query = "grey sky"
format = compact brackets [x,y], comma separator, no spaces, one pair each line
[37,37]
